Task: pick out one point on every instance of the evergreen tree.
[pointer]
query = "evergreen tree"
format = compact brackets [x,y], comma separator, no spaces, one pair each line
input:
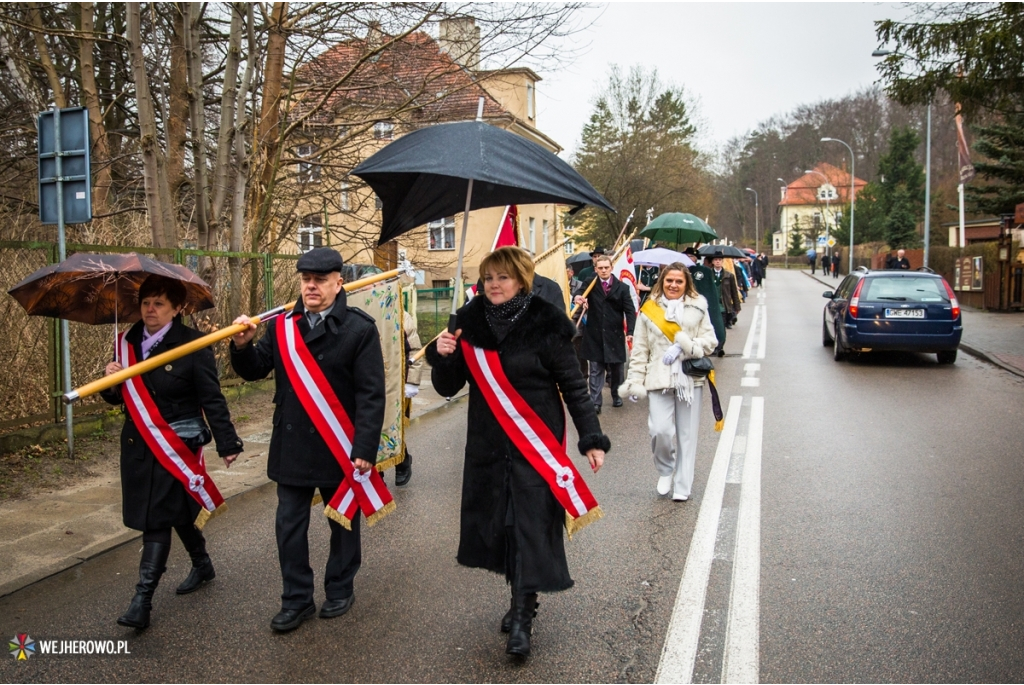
[890,208]
[1003,146]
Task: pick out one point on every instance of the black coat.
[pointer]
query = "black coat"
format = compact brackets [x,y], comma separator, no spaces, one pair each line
[548,290]
[499,487]
[604,339]
[347,348]
[151,498]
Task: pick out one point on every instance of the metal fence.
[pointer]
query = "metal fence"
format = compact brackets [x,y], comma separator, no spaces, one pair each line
[432,308]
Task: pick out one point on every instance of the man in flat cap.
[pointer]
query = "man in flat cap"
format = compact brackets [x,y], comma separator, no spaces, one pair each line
[336,345]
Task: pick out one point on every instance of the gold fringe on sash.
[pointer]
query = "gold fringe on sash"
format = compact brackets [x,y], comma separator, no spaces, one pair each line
[388,463]
[378,515]
[574,525]
[333,514]
[205,515]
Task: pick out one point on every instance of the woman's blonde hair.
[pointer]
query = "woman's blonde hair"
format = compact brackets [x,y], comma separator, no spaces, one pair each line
[511,260]
[688,289]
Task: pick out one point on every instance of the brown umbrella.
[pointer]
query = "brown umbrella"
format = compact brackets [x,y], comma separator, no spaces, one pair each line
[102,288]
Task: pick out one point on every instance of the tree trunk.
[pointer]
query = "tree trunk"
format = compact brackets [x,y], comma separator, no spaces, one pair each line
[154,163]
[228,104]
[242,168]
[267,142]
[177,119]
[197,119]
[44,56]
[100,151]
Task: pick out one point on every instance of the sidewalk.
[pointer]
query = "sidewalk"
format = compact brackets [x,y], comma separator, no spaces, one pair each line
[54,531]
[993,337]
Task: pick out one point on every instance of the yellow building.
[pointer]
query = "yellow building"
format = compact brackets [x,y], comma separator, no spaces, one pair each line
[412,83]
[811,206]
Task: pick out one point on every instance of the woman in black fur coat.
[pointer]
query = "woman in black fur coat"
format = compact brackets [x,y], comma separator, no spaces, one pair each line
[511,522]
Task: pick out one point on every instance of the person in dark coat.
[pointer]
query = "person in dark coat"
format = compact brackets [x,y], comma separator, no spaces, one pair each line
[728,293]
[704,282]
[511,523]
[835,264]
[152,499]
[604,339]
[899,262]
[346,345]
[549,291]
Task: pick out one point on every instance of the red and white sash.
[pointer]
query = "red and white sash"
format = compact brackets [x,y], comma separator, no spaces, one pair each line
[533,438]
[366,492]
[169,449]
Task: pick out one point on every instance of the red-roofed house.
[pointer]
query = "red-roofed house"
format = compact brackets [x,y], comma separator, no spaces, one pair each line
[811,204]
[367,99]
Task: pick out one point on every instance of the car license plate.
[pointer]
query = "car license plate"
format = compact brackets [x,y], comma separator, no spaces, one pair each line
[904,313]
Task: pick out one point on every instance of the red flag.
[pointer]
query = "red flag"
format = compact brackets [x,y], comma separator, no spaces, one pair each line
[963,152]
[508,229]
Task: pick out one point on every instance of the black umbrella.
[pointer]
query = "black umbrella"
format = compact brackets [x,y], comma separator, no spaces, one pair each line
[430,174]
[580,258]
[729,251]
[423,175]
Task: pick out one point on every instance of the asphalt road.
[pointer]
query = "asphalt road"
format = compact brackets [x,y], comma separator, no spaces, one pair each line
[867,528]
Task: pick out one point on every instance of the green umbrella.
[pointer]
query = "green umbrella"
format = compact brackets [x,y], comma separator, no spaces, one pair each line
[677,227]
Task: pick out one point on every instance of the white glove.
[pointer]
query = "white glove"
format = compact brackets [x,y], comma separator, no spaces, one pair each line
[633,399]
[411,390]
[698,352]
[672,354]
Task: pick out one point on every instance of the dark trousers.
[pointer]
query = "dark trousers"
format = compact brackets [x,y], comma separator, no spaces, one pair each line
[189,535]
[343,561]
[597,379]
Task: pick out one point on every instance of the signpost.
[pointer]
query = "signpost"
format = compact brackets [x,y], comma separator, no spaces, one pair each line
[65,196]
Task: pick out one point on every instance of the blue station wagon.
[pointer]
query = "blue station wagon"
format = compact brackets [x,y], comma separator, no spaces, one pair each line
[911,311]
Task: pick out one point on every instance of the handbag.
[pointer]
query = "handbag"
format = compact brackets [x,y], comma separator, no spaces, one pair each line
[698,368]
[193,432]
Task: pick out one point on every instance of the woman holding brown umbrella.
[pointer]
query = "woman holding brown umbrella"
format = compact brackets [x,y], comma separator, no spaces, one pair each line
[164,482]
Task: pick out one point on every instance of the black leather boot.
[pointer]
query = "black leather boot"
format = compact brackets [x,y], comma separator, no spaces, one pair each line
[403,471]
[151,567]
[524,609]
[506,620]
[202,570]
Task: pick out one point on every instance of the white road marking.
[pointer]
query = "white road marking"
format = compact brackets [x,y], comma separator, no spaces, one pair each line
[748,348]
[750,380]
[680,651]
[762,342]
[741,661]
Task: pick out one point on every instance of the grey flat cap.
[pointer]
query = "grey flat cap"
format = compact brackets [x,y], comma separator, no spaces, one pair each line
[320,260]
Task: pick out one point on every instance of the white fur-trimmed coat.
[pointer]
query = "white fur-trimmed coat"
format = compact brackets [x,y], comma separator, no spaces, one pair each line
[646,370]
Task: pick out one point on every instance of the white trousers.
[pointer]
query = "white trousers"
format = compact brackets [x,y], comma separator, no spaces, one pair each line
[674,425]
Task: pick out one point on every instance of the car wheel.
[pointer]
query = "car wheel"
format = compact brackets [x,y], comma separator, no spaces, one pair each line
[838,351]
[947,357]
[826,339]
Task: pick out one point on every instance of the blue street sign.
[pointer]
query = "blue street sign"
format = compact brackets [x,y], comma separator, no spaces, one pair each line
[64,166]
[821,240]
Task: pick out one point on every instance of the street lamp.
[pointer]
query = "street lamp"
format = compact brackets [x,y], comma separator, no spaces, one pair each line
[757,210]
[853,199]
[927,167]
[815,171]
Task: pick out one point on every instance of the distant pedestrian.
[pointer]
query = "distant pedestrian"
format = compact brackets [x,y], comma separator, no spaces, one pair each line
[900,261]
[835,264]
[704,282]
[826,264]
[812,258]
[674,325]
[728,292]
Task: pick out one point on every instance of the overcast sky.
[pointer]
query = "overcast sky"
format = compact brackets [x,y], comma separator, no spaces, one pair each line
[742,62]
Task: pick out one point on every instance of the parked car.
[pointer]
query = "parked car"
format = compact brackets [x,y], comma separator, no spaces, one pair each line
[353,272]
[912,311]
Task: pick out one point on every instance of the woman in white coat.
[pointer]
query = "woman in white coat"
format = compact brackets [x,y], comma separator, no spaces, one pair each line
[673,326]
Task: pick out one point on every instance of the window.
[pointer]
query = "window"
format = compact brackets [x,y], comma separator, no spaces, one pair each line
[309,170]
[383,130]
[569,248]
[544,232]
[344,196]
[441,234]
[529,100]
[311,233]
[533,235]
[827,193]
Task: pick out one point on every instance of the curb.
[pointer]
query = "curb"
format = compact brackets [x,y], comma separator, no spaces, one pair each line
[975,352]
[128,536]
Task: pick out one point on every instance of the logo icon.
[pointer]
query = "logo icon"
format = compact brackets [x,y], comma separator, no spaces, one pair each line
[22,647]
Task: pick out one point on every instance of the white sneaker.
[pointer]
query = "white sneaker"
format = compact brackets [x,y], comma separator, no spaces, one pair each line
[676,497]
[664,485]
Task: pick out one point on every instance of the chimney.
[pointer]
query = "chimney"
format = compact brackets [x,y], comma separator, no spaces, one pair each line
[374,36]
[459,37]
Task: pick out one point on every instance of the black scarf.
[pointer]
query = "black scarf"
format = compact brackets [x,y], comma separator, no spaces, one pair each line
[501,317]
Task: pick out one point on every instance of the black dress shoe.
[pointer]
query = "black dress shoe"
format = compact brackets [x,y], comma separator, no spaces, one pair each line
[333,608]
[721,353]
[403,471]
[597,408]
[616,401]
[290,619]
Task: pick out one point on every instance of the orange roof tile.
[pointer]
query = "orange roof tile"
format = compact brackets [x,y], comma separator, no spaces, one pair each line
[804,190]
[413,74]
